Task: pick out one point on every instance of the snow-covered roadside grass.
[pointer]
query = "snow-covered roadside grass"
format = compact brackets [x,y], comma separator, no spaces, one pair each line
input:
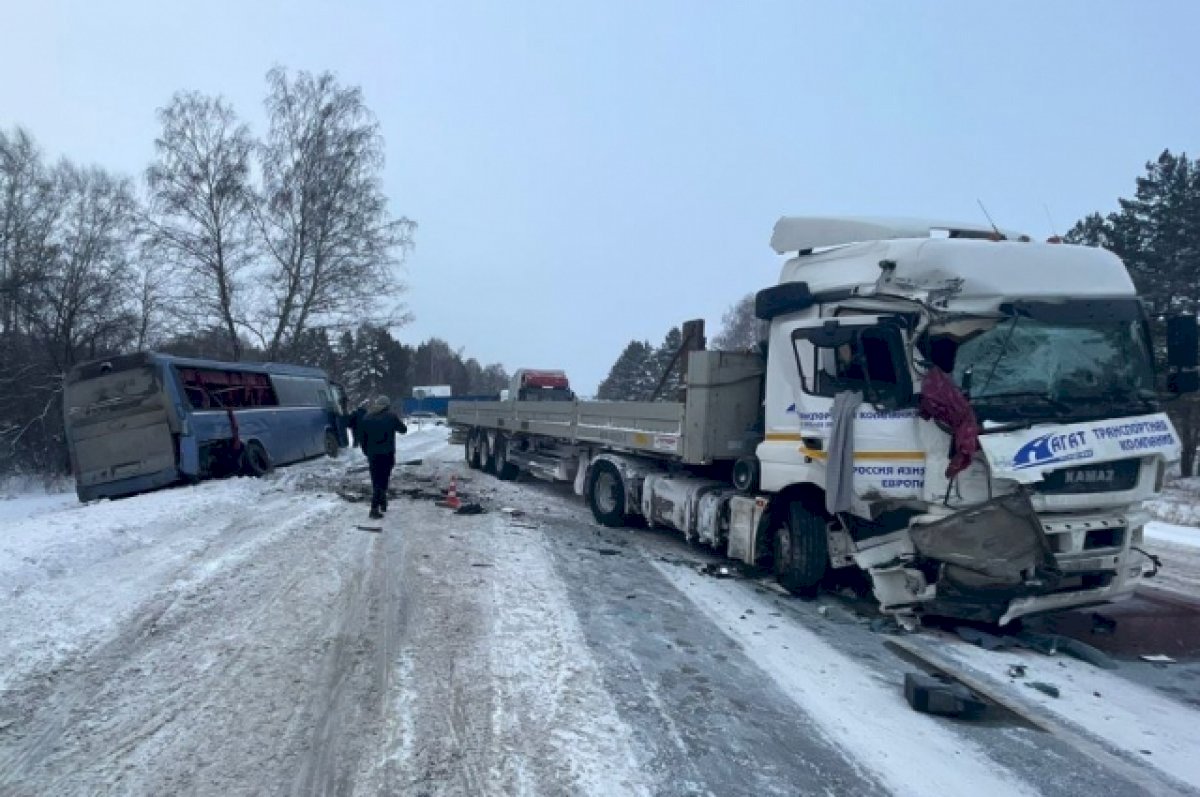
[1174,537]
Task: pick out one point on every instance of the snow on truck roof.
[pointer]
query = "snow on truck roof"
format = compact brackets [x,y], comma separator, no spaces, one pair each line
[968,270]
[804,233]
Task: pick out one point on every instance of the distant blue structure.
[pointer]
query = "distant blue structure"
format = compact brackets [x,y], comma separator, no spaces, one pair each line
[440,405]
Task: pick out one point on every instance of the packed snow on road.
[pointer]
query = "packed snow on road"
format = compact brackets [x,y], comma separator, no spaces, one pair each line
[246,636]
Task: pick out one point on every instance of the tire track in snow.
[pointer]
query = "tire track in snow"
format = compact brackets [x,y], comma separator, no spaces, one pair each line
[495,690]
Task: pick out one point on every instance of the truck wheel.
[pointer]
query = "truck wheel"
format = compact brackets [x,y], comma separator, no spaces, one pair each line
[331,444]
[801,551]
[606,495]
[505,470]
[255,461]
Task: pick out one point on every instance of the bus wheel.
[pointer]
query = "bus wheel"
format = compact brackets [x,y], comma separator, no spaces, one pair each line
[801,551]
[255,461]
[505,470]
[331,444]
[606,494]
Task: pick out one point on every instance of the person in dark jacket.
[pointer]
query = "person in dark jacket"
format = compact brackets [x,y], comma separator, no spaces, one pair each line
[376,431]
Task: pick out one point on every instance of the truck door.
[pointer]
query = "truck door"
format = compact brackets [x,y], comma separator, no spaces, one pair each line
[869,355]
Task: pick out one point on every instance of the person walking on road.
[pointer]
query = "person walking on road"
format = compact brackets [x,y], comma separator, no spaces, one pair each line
[376,431]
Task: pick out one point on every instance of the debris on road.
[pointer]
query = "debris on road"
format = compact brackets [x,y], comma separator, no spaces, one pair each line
[1103,626]
[1046,644]
[1016,671]
[937,694]
[983,639]
[376,529]
[885,625]
[511,512]
[714,570]
[1158,658]
[466,509]
[1044,688]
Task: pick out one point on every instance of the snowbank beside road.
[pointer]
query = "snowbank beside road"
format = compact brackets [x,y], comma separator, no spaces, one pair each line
[1176,535]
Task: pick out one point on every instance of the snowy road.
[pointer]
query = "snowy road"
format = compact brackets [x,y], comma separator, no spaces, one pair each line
[244,637]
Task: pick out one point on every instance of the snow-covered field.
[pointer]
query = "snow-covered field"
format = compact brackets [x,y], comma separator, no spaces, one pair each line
[245,637]
[1174,536]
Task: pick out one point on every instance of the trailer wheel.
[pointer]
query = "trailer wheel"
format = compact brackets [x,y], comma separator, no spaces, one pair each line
[606,494]
[331,444]
[471,450]
[487,453]
[801,551]
[505,470]
[255,461]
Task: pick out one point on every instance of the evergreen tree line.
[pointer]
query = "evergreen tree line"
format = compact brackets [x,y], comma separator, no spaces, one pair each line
[637,372]
[640,367]
[1156,232]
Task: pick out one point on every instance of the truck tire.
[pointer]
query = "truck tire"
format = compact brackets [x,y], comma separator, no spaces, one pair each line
[606,494]
[255,461]
[801,551]
[505,470]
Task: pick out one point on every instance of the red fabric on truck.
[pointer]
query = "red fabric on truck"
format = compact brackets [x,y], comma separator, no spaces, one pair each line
[944,404]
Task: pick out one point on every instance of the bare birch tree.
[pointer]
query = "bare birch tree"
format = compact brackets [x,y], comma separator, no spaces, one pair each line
[332,240]
[201,209]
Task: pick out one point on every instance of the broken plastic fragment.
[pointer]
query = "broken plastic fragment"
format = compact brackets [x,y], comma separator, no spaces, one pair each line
[1158,658]
[1044,688]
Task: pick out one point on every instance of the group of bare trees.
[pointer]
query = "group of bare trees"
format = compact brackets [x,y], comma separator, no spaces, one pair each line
[232,245]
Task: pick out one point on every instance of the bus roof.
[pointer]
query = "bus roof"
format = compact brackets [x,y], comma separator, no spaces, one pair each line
[139,359]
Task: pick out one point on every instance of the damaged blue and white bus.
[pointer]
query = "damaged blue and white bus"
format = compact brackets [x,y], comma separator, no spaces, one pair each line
[147,420]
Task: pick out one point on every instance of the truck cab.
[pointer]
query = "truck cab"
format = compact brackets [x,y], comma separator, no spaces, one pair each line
[529,384]
[968,416]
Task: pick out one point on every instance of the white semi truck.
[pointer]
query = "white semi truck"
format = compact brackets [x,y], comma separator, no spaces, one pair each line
[969,417]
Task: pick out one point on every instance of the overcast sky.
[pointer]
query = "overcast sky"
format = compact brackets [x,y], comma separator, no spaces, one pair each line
[584,174]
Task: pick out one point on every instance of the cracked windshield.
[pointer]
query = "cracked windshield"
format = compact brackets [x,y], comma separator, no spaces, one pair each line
[615,398]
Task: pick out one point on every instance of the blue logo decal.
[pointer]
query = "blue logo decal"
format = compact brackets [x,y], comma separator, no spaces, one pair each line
[1052,448]
[791,408]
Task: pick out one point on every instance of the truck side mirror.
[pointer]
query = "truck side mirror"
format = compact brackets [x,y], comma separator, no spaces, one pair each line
[1183,341]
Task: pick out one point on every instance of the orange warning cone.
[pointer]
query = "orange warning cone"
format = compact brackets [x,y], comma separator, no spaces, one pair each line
[452,501]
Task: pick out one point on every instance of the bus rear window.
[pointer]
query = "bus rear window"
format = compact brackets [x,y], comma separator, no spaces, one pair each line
[112,392]
[212,389]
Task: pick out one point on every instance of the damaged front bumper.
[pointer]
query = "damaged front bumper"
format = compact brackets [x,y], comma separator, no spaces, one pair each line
[999,561]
